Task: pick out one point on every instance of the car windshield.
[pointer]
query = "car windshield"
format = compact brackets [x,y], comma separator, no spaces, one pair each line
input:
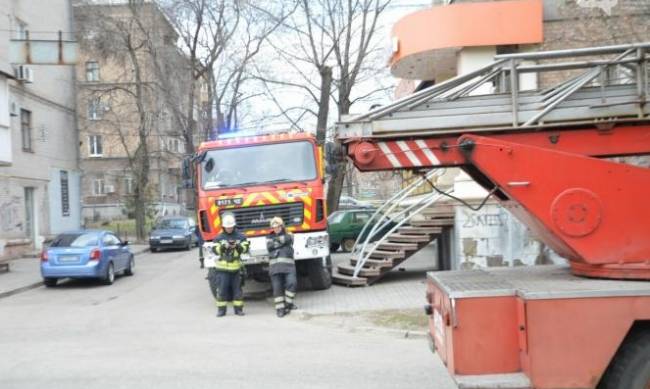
[259,164]
[336,217]
[172,224]
[75,240]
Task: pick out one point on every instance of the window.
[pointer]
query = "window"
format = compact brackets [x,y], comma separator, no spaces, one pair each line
[174,145]
[95,145]
[361,217]
[92,71]
[98,187]
[95,109]
[110,240]
[21,30]
[65,195]
[26,129]
[75,240]
[128,185]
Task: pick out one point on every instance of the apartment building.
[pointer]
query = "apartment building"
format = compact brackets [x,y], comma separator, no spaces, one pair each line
[39,172]
[109,119]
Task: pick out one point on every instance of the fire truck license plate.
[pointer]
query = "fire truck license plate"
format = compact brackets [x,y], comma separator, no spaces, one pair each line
[231,201]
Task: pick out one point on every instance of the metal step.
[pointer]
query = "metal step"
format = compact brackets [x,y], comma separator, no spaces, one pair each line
[433,223]
[398,246]
[343,279]
[364,272]
[386,254]
[419,230]
[409,238]
[439,211]
[378,263]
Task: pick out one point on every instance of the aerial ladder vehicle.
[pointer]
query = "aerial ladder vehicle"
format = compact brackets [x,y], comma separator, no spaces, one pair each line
[563,160]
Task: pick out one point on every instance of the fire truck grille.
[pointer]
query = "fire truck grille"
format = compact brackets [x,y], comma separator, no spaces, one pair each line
[259,217]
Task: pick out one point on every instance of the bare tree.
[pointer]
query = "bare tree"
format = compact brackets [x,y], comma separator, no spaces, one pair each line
[131,94]
[336,40]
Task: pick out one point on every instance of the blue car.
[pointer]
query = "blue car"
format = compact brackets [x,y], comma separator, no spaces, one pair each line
[86,254]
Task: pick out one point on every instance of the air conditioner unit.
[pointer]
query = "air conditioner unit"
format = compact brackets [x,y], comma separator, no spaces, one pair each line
[24,73]
[109,188]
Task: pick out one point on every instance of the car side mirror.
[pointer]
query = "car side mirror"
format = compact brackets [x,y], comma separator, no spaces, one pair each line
[124,243]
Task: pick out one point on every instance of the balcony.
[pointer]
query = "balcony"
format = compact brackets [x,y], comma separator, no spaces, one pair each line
[426,42]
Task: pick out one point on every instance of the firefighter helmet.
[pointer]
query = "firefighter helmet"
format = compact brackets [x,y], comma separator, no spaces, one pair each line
[228,220]
[277,221]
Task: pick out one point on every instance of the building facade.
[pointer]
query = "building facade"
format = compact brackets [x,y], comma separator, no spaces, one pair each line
[452,38]
[39,173]
[109,117]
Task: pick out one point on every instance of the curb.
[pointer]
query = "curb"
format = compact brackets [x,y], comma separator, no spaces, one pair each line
[21,289]
[40,283]
[409,334]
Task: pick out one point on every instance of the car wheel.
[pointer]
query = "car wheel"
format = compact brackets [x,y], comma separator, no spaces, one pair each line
[50,282]
[153,249]
[334,247]
[109,278]
[129,269]
[347,245]
[189,245]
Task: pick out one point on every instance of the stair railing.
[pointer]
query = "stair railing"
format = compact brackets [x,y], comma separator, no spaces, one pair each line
[386,218]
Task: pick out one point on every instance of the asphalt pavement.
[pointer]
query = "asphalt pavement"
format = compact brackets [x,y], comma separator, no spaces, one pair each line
[158,329]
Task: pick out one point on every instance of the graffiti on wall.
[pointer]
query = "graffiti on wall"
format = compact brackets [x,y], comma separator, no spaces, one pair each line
[483,220]
[10,215]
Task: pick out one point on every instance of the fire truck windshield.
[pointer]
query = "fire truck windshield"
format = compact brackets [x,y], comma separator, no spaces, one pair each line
[259,164]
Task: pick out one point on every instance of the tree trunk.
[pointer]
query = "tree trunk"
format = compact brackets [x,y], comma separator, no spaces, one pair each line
[324,103]
[338,176]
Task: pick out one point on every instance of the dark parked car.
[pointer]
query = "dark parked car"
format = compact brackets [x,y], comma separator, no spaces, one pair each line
[86,254]
[173,232]
[345,226]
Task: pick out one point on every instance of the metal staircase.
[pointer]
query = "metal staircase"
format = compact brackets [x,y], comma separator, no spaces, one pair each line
[381,248]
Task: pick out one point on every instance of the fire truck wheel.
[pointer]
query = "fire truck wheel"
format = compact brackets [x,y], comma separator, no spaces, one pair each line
[212,281]
[319,275]
[630,367]
[334,247]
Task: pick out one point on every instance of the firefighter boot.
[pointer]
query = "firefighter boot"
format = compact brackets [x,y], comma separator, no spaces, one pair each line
[280,312]
[202,264]
[239,311]
[221,311]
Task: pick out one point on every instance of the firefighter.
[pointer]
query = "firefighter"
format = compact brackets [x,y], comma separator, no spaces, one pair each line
[282,267]
[230,245]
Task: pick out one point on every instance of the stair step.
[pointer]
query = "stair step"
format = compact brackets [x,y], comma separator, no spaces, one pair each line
[398,246]
[386,254]
[439,210]
[409,238]
[342,279]
[364,272]
[374,262]
[419,230]
[433,222]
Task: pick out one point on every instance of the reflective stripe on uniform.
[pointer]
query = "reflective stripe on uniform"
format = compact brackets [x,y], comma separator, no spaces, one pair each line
[281,260]
[238,303]
[228,266]
[222,303]
[279,305]
[290,293]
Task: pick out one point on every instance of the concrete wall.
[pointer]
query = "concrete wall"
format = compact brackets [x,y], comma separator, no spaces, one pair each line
[5,131]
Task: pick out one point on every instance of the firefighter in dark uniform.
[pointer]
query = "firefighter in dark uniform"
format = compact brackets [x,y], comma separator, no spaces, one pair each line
[282,267]
[230,245]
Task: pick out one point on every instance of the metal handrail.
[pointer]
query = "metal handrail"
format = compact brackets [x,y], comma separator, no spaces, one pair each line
[383,221]
[635,57]
[393,202]
[435,196]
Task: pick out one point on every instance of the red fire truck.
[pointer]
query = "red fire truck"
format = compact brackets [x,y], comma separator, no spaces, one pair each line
[256,178]
[564,160]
